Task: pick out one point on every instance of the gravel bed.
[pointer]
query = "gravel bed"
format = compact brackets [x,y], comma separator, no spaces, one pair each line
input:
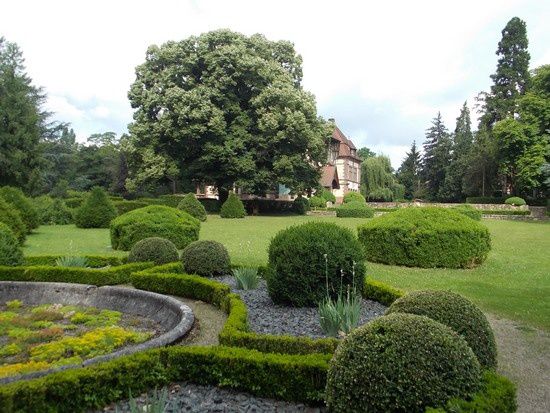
[187,397]
[265,317]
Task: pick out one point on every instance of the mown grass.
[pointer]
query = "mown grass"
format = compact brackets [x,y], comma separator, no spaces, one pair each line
[514,282]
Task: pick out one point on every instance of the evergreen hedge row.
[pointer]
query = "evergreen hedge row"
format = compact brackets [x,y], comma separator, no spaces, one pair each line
[94,261]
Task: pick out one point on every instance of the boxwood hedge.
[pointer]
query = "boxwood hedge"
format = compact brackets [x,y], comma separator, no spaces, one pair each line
[354,209]
[469,211]
[425,237]
[154,221]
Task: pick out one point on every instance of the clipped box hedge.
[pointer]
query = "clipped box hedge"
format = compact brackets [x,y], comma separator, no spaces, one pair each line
[425,237]
[94,261]
[354,209]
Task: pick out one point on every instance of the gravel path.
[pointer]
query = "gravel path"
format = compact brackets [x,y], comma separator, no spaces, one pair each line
[267,318]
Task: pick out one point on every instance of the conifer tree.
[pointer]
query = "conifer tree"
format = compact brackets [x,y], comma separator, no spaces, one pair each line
[437,155]
[408,173]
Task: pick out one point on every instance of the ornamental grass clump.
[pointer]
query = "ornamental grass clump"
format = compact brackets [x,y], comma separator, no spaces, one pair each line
[97,210]
[193,207]
[246,278]
[425,237]
[72,261]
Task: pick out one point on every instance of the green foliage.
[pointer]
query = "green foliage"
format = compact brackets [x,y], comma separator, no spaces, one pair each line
[469,211]
[154,249]
[411,236]
[381,292]
[456,312]
[93,261]
[340,315]
[233,207]
[408,173]
[10,251]
[400,362]
[73,203]
[515,200]
[206,258]
[301,205]
[377,180]
[157,402]
[302,257]
[15,197]
[317,202]
[52,211]
[247,278]
[328,196]
[505,212]
[193,207]
[353,197]
[484,200]
[126,206]
[12,218]
[97,210]
[154,221]
[72,261]
[380,195]
[437,157]
[354,209]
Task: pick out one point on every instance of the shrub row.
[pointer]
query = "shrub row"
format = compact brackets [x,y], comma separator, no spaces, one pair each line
[505,212]
[94,261]
[354,209]
[126,206]
[381,292]
[484,200]
[469,211]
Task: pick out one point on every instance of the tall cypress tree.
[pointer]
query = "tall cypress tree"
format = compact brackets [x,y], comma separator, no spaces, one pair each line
[437,155]
[408,173]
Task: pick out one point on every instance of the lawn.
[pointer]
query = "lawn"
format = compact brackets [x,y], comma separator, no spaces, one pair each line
[514,282]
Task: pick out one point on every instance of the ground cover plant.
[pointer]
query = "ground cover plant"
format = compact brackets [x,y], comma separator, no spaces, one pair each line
[40,337]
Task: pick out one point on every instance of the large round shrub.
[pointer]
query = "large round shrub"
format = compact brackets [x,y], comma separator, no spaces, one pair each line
[206,258]
[354,209]
[425,237]
[400,363]
[10,250]
[15,197]
[515,201]
[233,207]
[97,210]
[317,202]
[193,207]
[353,197]
[301,205]
[469,211]
[301,257]
[12,218]
[154,249]
[154,221]
[456,312]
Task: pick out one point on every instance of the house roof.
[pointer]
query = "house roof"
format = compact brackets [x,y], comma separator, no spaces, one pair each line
[328,175]
[346,145]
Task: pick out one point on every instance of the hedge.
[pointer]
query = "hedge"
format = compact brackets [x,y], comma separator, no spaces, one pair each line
[515,201]
[94,261]
[469,211]
[207,258]
[126,206]
[354,209]
[317,202]
[425,237]
[484,200]
[301,205]
[353,196]
[505,212]
[269,206]
[381,292]
[154,249]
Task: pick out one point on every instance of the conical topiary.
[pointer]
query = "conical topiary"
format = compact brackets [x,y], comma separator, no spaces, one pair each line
[97,211]
[11,217]
[193,207]
[15,197]
[233,207]
[10,250]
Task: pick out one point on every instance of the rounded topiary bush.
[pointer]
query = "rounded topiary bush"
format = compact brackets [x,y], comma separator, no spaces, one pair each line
[425,237]
[400,363]
[193,207]
[12,218]
[354,209]
[155,249]
[10,250]
[154,221]
[302,257]
[301,205]
[233,207]
[469,211]
[15,197]
[353,197]
[456,312]
[515,201]
[206,258]
[97,210]
[317,202]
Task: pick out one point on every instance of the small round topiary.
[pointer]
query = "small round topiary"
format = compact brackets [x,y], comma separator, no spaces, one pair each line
[515,201]
[469,211]
[206,258]
[400,363]
[193,207]
[15,197]
[10,250]
[301,205]
[353,197]
[302,257]
[12,218]
[154,221]
[354,209]
[97,210]
[155,249]
[233,207]
[425,237]
[317,202]
[456,312]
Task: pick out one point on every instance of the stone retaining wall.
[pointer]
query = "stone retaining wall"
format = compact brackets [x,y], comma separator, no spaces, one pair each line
[445,205]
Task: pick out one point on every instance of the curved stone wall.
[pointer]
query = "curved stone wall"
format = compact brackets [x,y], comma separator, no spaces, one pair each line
[174,317]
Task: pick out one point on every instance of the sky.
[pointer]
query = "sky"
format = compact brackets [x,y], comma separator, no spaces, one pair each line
[382,70]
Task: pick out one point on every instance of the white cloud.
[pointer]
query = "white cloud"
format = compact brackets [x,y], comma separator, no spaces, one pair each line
[101,112]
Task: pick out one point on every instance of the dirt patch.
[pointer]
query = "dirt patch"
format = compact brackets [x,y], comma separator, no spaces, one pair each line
[524,357]
[209,321]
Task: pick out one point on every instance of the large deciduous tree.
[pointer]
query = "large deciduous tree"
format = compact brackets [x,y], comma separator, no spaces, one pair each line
[225,109]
